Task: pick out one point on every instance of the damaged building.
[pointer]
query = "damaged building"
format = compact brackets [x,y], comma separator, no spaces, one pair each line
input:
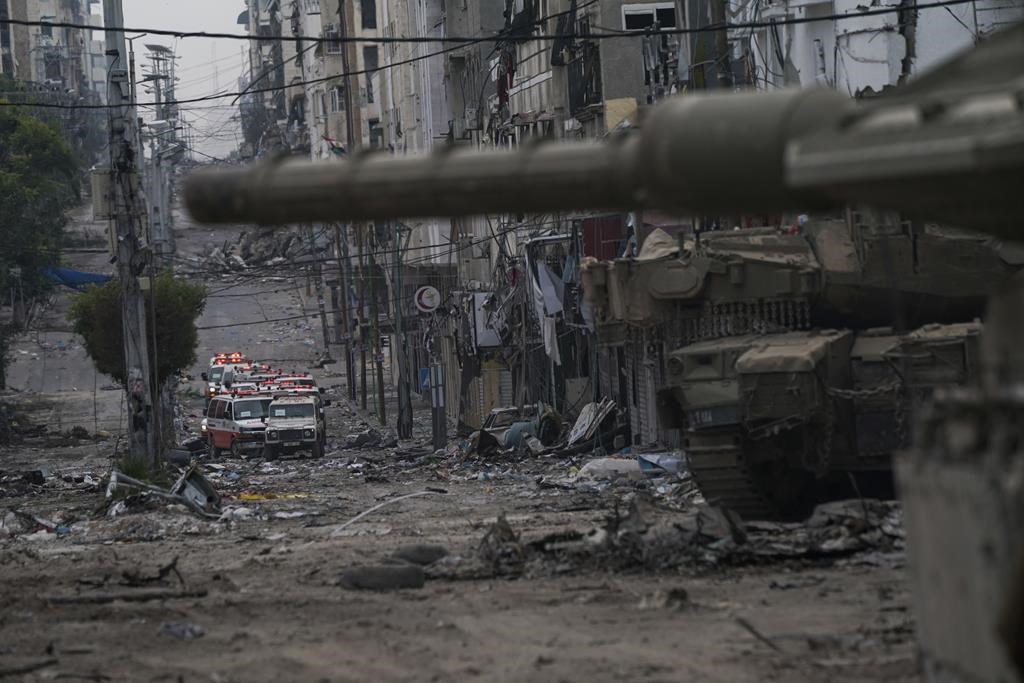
[509,325]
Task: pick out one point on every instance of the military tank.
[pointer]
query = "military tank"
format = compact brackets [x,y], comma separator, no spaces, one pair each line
[793,361]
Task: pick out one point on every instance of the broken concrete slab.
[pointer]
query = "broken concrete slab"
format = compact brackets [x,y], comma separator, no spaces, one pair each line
[384,577]
[421,553]
[610,468]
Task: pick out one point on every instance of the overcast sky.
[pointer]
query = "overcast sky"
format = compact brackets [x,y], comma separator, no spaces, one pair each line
[204,66]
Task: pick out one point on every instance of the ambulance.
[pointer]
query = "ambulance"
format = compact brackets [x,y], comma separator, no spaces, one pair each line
[236,422]
[221,365]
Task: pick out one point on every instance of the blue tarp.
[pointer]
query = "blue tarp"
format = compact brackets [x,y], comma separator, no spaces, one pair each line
[74,279]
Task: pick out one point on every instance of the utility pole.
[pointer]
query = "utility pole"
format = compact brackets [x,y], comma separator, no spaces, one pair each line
[362,315]
[131,262]
[404,426]
[320,295]
[352,138]
[341,253]
[439,421]
[375,330]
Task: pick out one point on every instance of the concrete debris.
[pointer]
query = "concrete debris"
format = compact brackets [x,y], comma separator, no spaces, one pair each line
[15,425]
[421,554]
[191,489]
[262,247]
[140,595]
[610,468]
[649,538]
[672,598]
[181,630]
[383,577]
[365,439]
[589,422]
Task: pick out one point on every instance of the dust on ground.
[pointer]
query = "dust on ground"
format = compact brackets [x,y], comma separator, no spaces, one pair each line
[526,569]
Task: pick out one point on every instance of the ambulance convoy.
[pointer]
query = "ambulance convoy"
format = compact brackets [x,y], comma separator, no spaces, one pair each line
[254,408]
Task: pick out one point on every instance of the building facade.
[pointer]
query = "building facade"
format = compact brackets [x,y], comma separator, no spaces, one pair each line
[513,328]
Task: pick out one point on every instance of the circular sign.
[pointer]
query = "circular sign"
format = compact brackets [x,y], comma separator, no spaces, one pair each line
[427,299]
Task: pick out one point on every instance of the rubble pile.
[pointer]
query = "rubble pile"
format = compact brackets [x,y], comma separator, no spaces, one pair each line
[15,425]
[255,248]
[644,538]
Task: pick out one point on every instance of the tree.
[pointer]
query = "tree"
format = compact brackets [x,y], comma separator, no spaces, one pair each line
[96,316]
[38,183]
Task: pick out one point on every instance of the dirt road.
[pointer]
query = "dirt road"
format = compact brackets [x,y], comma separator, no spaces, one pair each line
[584,581]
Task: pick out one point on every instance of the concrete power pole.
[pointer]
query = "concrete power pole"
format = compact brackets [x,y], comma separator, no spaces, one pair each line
[352,138]
[131,260]
[404,425]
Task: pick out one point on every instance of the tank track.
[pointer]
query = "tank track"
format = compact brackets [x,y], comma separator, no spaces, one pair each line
[723,477]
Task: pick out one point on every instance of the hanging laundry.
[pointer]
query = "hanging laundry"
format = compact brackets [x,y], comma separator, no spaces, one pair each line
[551,289]
[549,328]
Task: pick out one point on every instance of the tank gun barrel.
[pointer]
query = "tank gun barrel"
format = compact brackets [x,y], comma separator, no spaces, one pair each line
[949,147]
[676,161]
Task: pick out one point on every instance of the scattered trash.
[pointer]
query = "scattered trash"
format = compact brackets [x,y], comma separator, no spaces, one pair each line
[270,495]
[673,598]
[142,595]
[796,581]
[590,420]
[384,577]
[191,489]
[654,464]
[182,630]
[289,514]
[339,528]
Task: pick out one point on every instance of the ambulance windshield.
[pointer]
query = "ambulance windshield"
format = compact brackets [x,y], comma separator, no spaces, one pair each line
[251,409]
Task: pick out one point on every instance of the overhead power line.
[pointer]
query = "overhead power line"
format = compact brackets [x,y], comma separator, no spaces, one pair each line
[462,42]
[501,35]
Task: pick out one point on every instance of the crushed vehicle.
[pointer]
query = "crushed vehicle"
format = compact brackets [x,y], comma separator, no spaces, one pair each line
[236,423]
[295,423]
[512,427]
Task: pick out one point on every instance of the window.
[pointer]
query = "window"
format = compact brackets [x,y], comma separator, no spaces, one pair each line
[337,98]
[211,411]
[292,410]
[640,16]
[219,411]
[312,6]
[333,46]
[376,133]
[250,409]
[368,10]
[371,62]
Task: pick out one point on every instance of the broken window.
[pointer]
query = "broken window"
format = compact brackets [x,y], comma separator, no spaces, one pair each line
[368,10]
[371,62]
[642,16]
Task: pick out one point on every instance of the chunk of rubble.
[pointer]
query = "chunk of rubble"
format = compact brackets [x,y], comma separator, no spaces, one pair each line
[383,577]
